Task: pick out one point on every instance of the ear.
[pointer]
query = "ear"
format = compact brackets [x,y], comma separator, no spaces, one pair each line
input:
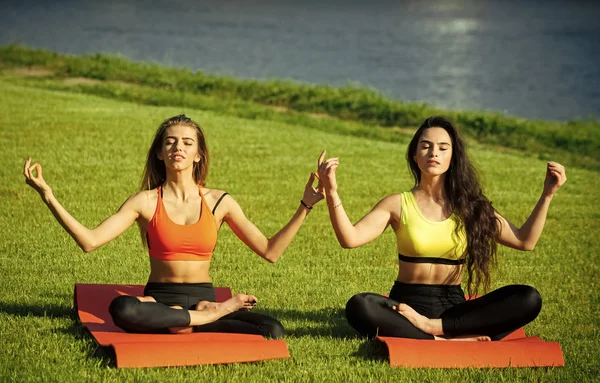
[159,156]
[197,158]
[415,158]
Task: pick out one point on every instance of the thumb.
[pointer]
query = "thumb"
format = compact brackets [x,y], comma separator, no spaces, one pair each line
[311,179]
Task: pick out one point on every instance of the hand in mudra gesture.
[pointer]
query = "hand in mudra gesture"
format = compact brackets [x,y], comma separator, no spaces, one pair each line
[34,178]
[555,178]
[327,172]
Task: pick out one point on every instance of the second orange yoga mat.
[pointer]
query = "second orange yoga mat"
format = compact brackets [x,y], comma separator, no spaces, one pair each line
[516,350]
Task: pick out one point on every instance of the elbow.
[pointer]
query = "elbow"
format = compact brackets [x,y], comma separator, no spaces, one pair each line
[88,247]
[270,259]
[528,246]
[347,245]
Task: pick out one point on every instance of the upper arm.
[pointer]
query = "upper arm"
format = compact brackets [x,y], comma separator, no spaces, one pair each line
[376,221]
[508,234]
[241,226]
[117,223]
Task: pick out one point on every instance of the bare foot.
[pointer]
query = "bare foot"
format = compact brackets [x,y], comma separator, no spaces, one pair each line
[206,305]
[433,326]
[239,302]
[419,321]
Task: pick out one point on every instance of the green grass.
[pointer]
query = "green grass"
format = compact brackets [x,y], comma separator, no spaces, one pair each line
[92,149]
[577,142]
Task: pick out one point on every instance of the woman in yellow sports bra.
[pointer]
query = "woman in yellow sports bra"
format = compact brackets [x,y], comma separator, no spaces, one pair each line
[179,221]
[444,226]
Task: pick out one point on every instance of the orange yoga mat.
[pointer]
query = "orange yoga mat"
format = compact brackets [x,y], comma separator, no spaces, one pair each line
[158,350]
[516,350]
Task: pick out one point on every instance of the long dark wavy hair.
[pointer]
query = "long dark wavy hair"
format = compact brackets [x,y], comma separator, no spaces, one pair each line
[467,202]
[155,172]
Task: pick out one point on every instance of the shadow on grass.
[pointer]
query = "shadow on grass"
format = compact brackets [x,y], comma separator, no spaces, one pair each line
[75,329]
[326,322]
[372,349]
[42,310]
[93,350]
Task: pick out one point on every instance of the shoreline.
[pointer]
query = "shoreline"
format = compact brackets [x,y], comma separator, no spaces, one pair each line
[348,110]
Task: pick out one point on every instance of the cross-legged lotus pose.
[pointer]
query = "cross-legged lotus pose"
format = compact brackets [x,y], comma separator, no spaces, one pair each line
[179,219]
[444,225]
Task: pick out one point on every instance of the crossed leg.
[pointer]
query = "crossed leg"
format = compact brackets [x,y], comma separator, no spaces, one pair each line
[492,316]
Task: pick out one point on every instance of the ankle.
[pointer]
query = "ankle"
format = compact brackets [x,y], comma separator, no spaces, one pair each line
[436,328]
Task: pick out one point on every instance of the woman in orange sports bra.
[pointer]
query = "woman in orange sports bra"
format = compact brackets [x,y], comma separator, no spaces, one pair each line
[179,218]
[444,226]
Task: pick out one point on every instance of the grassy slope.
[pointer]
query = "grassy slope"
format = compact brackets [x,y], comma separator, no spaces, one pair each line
[93,149]
[576,142]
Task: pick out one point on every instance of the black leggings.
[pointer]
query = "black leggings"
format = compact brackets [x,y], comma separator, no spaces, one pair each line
[496,314]
[132,315]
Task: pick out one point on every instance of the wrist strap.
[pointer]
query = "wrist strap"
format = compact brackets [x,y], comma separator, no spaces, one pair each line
[306,205]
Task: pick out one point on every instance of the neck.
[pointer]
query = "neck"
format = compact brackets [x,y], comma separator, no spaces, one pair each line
[432,187]
[181,184]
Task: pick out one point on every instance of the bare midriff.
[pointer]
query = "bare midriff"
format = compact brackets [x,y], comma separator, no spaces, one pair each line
[179,271]
[429,273]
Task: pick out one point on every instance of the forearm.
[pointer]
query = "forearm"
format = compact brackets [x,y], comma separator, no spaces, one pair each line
[279,242]
[532,229]
[343,227]
[81,234]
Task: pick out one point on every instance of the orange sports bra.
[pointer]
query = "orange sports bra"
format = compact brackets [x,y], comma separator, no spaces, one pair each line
[170,241]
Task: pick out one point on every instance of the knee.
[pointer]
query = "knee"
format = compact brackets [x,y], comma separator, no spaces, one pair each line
[532,300]
[360,314]
[356,305]
[123,309]
[527,300]
[273,329]
[360,306]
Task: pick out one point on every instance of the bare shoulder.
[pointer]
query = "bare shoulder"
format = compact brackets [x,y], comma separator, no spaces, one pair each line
[392,202]
[212,195]
[144,202]
[393,205]
[140,198]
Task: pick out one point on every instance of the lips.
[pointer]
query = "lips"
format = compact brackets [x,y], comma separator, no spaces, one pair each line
[432,162]
[177,157]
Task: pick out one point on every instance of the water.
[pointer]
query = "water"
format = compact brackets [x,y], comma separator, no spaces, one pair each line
[526,58]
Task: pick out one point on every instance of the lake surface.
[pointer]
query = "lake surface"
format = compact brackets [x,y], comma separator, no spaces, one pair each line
[536,59]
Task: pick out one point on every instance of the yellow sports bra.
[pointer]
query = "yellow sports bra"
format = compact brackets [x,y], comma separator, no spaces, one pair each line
[423,241]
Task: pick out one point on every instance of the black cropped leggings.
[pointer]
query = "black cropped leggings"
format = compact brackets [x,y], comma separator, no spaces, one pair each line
[496,314]
[132,315]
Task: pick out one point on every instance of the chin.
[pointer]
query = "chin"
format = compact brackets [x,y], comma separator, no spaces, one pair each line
[177,166]
[434,172]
